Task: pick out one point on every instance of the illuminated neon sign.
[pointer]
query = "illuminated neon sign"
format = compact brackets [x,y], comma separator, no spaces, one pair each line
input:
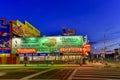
[47,44]
[87,47]
[29,51]
[70,50]
[69,39]
[75,50]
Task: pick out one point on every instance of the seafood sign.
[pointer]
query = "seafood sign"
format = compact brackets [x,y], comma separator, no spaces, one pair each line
[4,35]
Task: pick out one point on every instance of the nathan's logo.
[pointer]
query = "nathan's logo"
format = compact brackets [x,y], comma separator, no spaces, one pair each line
[69,39]
[50,42]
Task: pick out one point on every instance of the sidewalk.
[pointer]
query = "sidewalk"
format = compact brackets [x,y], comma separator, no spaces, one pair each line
[115,64]
[48,65]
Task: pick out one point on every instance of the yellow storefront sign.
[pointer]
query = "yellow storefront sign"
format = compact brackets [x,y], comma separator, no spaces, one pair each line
[33,30]
[26,29]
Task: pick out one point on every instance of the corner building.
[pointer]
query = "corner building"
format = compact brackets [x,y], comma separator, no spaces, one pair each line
[59,49]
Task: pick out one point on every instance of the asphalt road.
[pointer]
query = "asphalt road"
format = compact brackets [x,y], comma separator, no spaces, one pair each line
[96,74]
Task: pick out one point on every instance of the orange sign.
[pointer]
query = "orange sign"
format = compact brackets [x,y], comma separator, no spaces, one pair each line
[87,47]
[70,49]
[81,50]
[27,51]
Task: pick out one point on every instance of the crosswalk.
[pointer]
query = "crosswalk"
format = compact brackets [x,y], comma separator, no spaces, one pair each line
[97,74]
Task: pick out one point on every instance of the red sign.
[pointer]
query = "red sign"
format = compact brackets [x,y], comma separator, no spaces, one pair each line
[71,31]
[27,51]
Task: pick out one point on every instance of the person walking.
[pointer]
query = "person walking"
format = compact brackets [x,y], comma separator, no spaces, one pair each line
[81,61]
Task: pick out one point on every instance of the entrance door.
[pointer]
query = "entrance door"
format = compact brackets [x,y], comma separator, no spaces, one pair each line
[14,60]
[11,60]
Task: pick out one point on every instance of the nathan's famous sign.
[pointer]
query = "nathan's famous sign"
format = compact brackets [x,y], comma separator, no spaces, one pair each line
[27,30]
[47,44]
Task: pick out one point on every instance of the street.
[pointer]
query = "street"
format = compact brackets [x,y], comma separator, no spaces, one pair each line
[96,74]
[61,72]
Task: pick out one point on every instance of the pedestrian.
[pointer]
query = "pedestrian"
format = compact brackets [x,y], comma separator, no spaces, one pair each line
[89,60]
[81,62]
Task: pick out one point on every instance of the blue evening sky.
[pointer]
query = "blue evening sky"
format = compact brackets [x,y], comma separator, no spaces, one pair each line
[88,17]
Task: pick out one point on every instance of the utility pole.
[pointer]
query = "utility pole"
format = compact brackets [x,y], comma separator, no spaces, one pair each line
[104,45]
[104,52]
